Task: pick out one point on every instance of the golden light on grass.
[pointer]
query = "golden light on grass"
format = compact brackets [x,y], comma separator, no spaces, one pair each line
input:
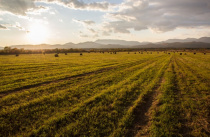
[37,33]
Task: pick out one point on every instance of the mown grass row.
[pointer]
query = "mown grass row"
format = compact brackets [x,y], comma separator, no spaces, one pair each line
[166,120]
[105,103]
[12,66]
[197,65]
[183,105]
[194,99]
[15,82]
[99,112]
[26,80]
[104,79]
[121,66]
[41,107]
[126,124]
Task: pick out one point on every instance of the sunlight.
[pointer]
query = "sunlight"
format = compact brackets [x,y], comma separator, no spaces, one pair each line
[38,33]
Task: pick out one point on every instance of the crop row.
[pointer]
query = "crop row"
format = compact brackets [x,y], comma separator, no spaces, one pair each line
[42,110]
[183,105]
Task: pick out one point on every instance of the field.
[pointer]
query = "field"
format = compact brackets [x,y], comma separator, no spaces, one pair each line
[106,94]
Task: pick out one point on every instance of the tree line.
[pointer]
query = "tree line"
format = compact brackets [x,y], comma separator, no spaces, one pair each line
[10,50]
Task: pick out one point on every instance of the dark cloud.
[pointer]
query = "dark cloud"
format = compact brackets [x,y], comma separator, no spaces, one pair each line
[79,4]
[159,15]
[21,7]
[92,6]
[2,27]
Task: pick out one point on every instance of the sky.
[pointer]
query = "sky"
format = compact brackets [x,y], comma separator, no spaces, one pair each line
[63,21]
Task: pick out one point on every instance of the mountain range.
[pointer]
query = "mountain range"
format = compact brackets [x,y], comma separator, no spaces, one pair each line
[202,39]
[203,42]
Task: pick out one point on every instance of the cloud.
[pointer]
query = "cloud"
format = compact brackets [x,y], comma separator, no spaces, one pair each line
[84,36]
[16,26]
[89,22]
[22,7]
[155,15]
[78,4]
[38,10]
[84,22]
[158,15]
[2,27]
[91,30]
[19,7]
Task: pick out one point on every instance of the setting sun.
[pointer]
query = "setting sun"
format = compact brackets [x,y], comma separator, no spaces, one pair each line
[37,33]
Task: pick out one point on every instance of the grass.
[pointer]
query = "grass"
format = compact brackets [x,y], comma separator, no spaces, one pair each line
[103,94]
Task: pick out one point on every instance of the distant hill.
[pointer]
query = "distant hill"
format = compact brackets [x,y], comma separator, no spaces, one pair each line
[176,45]
[202,39]
[203,42]
[83,45]
[69,45]
[89,45]
[40,46]
[119,42]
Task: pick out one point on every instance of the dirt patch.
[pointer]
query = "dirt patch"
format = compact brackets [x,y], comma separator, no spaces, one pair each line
[143,112]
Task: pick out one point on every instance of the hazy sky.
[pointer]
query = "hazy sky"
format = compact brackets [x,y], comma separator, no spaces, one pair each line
[63,21]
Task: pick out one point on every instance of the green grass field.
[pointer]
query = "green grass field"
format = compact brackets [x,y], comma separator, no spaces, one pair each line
[105,95]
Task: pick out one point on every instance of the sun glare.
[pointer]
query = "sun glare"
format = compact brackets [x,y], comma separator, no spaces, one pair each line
[37,33]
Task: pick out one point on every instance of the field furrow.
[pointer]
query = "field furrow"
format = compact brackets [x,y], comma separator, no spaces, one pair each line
[194,101]
[123,87]
[55,76]
[98,94]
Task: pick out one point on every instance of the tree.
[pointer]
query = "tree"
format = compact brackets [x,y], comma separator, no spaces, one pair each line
[7,49]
